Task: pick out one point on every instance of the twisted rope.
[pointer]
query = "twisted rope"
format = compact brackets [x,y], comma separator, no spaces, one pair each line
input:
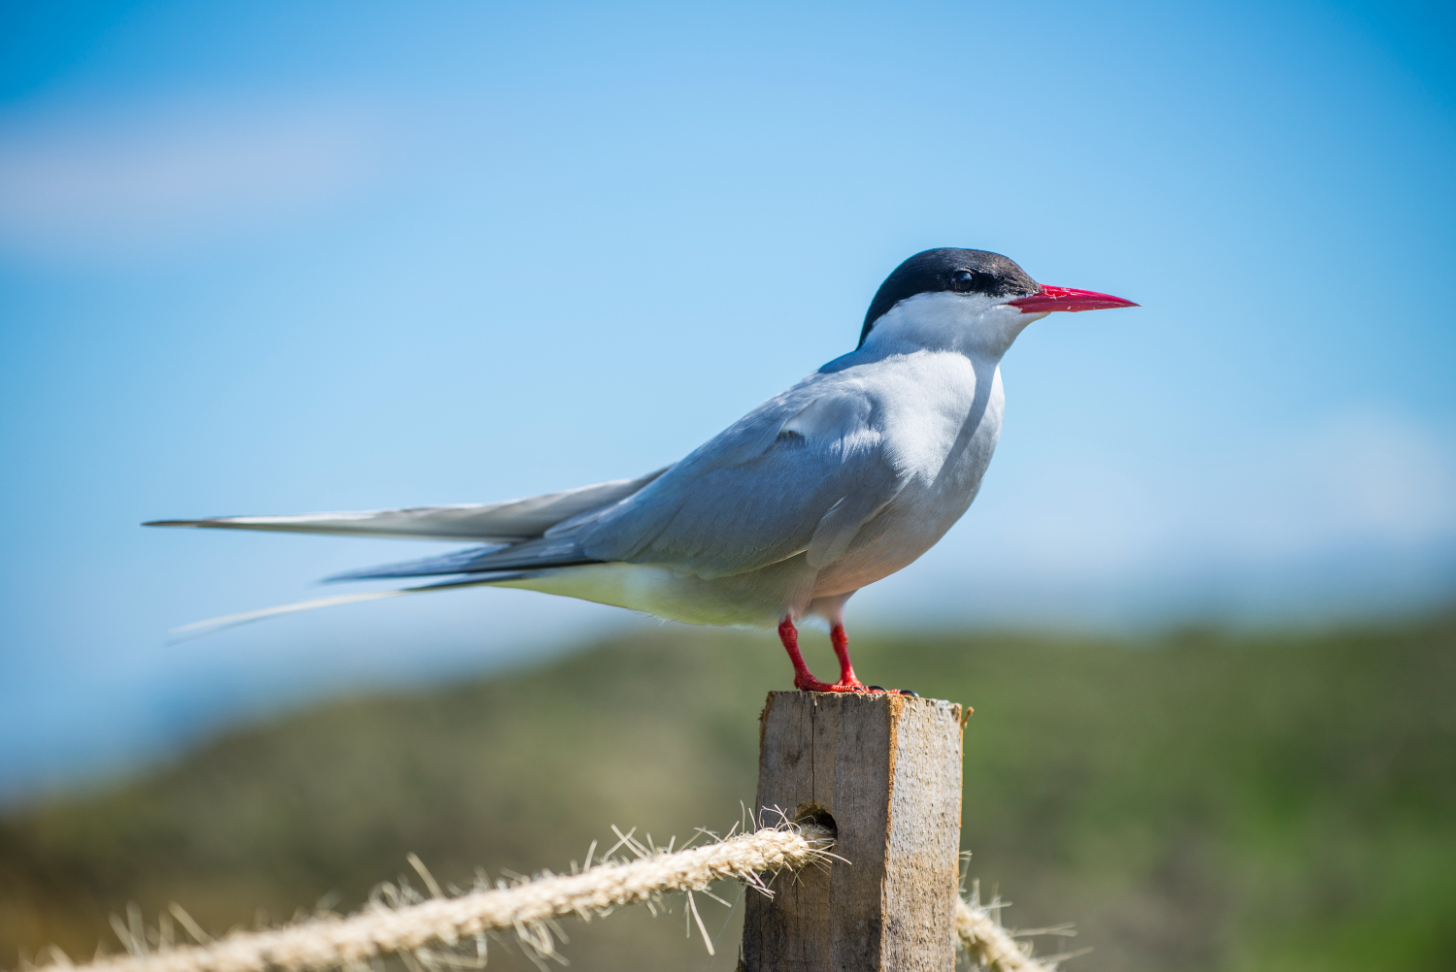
[990,946]
[413,928]
[330,941]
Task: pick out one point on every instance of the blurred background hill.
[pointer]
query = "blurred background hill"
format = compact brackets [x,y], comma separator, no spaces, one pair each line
[1193,801]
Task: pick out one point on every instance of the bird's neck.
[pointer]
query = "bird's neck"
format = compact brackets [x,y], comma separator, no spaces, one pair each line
[980,330]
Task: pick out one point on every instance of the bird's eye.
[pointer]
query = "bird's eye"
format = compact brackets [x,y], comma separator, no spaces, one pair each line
[963,281]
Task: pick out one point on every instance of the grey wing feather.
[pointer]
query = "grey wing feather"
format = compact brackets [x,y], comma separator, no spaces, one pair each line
[529,555]
[508,522]
[799,475]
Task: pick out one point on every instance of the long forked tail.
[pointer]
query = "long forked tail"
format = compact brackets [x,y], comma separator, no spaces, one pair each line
[512,534]
[198,628]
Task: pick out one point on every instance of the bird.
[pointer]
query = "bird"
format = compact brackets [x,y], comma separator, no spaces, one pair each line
[841,480]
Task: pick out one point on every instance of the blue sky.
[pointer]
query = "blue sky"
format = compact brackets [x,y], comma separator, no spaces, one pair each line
[271,258]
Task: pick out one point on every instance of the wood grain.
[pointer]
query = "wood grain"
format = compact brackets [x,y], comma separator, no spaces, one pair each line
[887,769]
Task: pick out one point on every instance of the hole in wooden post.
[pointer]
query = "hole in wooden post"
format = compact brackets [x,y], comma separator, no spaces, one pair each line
[816,822]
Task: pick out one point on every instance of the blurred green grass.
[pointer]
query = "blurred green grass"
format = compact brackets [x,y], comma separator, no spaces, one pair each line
[1199,800]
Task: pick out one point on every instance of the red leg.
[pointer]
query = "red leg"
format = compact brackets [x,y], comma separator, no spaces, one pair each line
[847,682]
[804,679]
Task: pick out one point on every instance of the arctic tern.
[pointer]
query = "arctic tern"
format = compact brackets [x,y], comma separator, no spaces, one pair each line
[841,480]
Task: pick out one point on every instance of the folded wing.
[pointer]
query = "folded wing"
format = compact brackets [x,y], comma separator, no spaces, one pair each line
[802,474]
[799,475]
[512,521]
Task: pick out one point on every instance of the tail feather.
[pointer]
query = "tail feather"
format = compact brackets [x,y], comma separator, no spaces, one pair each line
[198,628]
[508,522]
[513,534]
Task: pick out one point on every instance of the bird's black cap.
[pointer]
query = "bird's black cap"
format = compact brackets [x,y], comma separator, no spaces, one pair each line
[952,269]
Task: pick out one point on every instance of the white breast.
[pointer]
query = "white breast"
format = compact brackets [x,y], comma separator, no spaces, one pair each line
[943,414]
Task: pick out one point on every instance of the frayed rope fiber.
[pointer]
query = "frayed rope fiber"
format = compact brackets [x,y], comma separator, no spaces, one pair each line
[334,942]
[992,947]
[330,942]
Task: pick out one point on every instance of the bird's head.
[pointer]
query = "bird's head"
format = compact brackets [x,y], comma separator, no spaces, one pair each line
[968,300]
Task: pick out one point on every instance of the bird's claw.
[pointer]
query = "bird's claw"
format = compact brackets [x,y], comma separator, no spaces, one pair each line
[812,684]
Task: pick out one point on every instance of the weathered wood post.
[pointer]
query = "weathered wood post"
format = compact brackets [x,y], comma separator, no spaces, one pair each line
[884,772]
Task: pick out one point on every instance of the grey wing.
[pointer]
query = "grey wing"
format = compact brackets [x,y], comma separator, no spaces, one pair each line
[800,475]
[512,521]
[535,554]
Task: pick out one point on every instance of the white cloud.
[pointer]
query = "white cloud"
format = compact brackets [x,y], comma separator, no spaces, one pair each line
[136,181]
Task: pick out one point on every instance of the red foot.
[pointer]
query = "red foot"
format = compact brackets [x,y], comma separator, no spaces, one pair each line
[804,679]
[840,640]
[812,684]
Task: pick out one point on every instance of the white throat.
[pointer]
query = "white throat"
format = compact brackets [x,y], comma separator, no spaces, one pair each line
[975,325]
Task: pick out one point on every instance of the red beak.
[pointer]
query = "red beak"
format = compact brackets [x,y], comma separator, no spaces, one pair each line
[1067,299]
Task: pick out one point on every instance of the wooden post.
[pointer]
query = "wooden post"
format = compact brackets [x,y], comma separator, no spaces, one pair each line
[884,772]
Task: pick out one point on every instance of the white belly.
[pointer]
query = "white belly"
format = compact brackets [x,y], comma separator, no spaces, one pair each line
[929,505]
[757,598]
